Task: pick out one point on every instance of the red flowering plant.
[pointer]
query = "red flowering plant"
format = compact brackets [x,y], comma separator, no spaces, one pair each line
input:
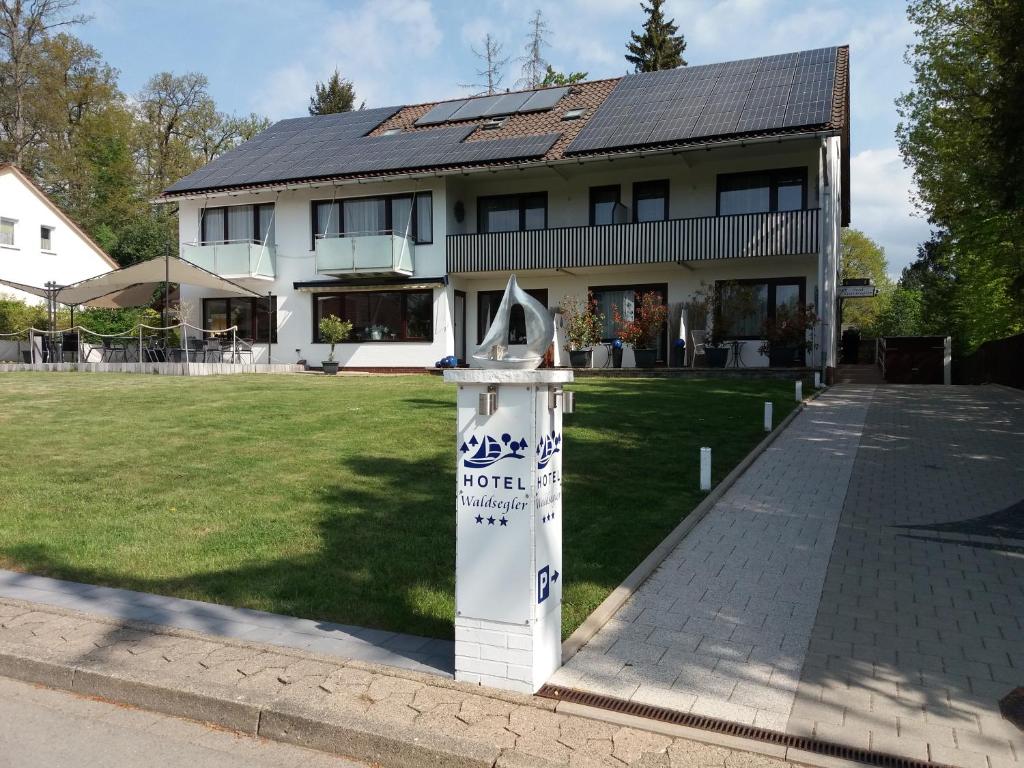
[583,322]
[649,315]
[789,328]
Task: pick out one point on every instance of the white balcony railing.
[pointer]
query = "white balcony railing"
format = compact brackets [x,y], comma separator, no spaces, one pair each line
[364,254]
[233,259]
[736,236]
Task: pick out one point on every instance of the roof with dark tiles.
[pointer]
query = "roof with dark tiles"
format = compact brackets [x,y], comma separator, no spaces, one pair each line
[687,111]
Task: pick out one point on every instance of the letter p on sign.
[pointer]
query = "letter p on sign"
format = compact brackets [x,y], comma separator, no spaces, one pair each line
[543,584]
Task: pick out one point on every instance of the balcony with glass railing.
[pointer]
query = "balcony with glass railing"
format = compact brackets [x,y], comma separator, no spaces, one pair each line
[233,259]
[364,253]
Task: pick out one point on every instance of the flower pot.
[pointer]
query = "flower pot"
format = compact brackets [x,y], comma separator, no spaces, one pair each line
[785,357]
[645,358]
[717,357]
[330,367]
[581,358]
[617,357]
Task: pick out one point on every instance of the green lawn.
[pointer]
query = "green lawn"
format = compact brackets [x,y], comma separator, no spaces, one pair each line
[326,498]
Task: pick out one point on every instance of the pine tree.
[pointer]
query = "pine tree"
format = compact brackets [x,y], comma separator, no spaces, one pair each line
[336,95]
[658,47]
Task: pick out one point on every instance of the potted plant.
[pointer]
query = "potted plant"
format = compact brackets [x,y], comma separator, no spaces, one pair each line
[743,303]
[583,326]
[786,335]
[649,315]
[332,331]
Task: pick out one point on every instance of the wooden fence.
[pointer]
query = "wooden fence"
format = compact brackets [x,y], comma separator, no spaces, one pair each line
[995,362]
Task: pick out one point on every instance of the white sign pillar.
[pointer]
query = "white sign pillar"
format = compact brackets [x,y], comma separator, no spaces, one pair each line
[508,556]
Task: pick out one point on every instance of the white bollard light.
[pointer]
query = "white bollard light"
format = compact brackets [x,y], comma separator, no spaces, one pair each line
[799,391]
[817,379]
[767,417]
[705,469]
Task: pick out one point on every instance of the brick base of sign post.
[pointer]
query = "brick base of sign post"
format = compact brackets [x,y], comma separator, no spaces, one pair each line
[508,580]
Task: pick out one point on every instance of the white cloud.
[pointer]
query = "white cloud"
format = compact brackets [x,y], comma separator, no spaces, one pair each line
[881,206]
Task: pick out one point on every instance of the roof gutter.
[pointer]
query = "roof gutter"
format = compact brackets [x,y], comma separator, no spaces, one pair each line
[523,166]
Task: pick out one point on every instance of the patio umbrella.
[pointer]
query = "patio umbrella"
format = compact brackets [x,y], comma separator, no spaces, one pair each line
[134,286]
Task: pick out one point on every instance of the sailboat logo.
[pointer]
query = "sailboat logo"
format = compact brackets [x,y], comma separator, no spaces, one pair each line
[490,451]
[549,446]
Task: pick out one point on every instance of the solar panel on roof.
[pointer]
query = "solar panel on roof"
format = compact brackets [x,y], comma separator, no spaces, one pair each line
[543,100]
[440,113]
[509,103]
[766,93]
[475,108]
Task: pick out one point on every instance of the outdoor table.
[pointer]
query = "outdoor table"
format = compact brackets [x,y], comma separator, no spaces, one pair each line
[737,352]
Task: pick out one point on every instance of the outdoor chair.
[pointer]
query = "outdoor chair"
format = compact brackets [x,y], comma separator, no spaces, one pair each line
[244,347]
[697,339]
[69,346]
[111,349]
[214,351]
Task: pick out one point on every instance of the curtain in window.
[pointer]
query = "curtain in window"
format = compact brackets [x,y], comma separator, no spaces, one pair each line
[265,219]
[401,216]
[328,218]
[424,218]
[749,193]
[365,217]
[500,214]
[213,225]
[240,223]
[606,303]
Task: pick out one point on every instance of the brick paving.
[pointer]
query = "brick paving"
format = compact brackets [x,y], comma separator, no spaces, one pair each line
[921,624]
[383,715]
[863,582]
[722,627]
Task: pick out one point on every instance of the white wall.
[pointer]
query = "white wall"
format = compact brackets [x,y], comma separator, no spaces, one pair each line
[692,180]
[295,262]
[682,283]
[71,257]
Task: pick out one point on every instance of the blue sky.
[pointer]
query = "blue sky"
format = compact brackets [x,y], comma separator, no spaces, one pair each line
[264,57]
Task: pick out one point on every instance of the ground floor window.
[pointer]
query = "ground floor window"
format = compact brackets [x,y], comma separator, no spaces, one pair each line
[379,315]
[255,318]
[487,308]
[746,305]
[625,298]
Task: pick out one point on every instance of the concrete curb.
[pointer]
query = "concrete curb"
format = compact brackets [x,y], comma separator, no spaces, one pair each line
[608,607]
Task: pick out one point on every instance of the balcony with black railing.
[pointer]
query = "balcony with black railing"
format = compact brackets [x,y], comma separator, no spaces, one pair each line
[737,236]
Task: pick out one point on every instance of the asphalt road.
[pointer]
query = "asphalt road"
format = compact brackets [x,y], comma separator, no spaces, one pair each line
[42,727]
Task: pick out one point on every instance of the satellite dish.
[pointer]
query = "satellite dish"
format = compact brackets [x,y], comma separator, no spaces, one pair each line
[493,351]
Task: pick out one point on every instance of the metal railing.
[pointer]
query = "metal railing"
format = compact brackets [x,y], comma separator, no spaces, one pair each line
[736,236]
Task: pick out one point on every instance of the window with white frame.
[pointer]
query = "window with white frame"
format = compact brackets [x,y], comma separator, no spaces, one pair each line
[46,238]
[7,231]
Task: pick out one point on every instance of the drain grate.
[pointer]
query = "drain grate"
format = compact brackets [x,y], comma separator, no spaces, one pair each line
[715,725]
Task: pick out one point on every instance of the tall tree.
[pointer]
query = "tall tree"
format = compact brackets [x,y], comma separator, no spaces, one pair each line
[658,46]
[534,65]
[492,65]
[860,256]
[959,131]
[336,95]
[553,77]
[23,28]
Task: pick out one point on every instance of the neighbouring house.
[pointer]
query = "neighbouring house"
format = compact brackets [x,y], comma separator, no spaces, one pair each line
[38,242]
[408,220]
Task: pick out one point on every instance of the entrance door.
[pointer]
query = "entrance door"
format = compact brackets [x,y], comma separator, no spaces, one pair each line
[459,325]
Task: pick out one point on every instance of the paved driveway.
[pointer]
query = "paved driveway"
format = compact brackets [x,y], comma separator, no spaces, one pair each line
[862,582]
